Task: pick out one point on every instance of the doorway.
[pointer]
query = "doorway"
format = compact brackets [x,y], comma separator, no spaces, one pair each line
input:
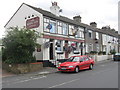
[66,53]
[51,49]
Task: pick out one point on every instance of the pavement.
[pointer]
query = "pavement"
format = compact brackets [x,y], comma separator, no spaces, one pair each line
[45,70]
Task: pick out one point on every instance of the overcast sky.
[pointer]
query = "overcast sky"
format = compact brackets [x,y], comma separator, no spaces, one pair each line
[103,12]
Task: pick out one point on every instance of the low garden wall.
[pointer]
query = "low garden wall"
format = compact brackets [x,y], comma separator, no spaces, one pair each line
[22,68]
[101,57]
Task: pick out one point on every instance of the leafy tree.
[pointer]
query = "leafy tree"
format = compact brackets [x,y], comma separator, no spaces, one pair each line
[19,45]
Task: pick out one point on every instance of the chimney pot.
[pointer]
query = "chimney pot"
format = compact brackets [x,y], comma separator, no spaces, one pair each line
[93,24]
[77,18]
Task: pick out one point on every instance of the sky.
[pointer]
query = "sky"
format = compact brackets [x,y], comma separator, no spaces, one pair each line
[103,12]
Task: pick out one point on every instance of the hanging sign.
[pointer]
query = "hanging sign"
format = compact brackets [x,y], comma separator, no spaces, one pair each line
[32,23]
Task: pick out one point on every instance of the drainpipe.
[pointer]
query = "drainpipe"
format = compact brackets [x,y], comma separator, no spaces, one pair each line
[85,32]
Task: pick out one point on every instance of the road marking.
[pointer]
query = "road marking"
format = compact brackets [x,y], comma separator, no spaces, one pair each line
[102,71]
[15,80]
[79,78]
[27,80]
[102,65]
[64,83]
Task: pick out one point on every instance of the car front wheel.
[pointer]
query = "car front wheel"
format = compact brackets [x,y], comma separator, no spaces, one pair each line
[77,69]
[91,67]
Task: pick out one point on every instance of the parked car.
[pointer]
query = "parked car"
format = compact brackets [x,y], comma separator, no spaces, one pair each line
[116,57]
[76,63]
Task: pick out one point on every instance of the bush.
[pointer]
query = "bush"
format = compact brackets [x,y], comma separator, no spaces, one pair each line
[19,45]
[93,52]
[102,53]
[86,53]
[112,51]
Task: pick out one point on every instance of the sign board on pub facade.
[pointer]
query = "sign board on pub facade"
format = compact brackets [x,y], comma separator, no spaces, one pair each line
[32,23]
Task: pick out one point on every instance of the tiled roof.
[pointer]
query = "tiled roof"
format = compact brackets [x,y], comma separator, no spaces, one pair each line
[70,21]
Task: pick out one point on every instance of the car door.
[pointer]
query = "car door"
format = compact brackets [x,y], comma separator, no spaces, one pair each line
[82,64]
[86,62]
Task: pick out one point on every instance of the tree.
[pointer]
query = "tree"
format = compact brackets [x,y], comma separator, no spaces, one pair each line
[19,45]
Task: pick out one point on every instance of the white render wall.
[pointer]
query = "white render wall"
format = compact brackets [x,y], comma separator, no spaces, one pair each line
[19,20]
[98,58]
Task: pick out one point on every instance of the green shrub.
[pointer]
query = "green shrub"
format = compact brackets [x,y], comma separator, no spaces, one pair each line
[93,52]
[112,51]
[102,53]
[86,53]
[19,45]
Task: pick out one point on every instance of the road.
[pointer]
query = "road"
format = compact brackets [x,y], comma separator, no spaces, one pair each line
[103,75]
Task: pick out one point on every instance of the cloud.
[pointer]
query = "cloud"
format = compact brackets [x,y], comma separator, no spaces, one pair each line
[100,11]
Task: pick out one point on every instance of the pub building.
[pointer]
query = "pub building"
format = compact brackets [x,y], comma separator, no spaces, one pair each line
[60,37]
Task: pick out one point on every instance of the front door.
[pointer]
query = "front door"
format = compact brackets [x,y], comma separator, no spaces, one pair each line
[51,51]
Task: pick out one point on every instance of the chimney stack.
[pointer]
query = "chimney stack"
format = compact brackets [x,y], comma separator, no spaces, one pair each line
[77,18]
[93,24]
[55,9]
[106,27]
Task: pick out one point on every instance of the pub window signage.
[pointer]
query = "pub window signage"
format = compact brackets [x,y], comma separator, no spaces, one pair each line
[32,23]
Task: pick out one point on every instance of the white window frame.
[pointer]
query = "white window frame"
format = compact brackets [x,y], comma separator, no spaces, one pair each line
[97,35]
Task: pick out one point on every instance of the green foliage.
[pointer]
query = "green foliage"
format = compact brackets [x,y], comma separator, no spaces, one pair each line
[86,53]
[93,52]
[112,51]
[102,53]
[19,45]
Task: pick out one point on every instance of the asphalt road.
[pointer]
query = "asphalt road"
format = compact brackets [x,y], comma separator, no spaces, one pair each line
[103,75]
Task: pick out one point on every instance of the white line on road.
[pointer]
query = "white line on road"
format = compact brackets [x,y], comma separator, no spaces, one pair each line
[102,65]
[79,78]
[27,80]
[64,83]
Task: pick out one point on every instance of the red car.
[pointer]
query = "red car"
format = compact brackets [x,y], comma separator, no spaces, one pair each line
[76,63]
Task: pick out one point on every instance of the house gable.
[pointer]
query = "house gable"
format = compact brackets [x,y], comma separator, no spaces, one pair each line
[20,17]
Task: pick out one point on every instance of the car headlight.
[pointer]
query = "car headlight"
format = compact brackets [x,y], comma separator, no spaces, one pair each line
[70,66]
[59,64]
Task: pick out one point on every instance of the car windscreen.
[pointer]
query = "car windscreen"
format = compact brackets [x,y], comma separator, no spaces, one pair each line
[117,54]
[73,59]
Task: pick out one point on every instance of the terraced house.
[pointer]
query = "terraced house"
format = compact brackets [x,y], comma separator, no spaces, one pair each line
[62,37]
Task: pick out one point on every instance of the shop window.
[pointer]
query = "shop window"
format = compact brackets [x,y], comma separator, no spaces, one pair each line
[53,27]
[78,33]
[81,32]
[59,46]
[46,25]
[59,25]
[50,25]
[65,29]
[71,29]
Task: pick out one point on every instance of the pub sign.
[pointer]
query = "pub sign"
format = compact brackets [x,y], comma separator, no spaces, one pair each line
[32,23]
